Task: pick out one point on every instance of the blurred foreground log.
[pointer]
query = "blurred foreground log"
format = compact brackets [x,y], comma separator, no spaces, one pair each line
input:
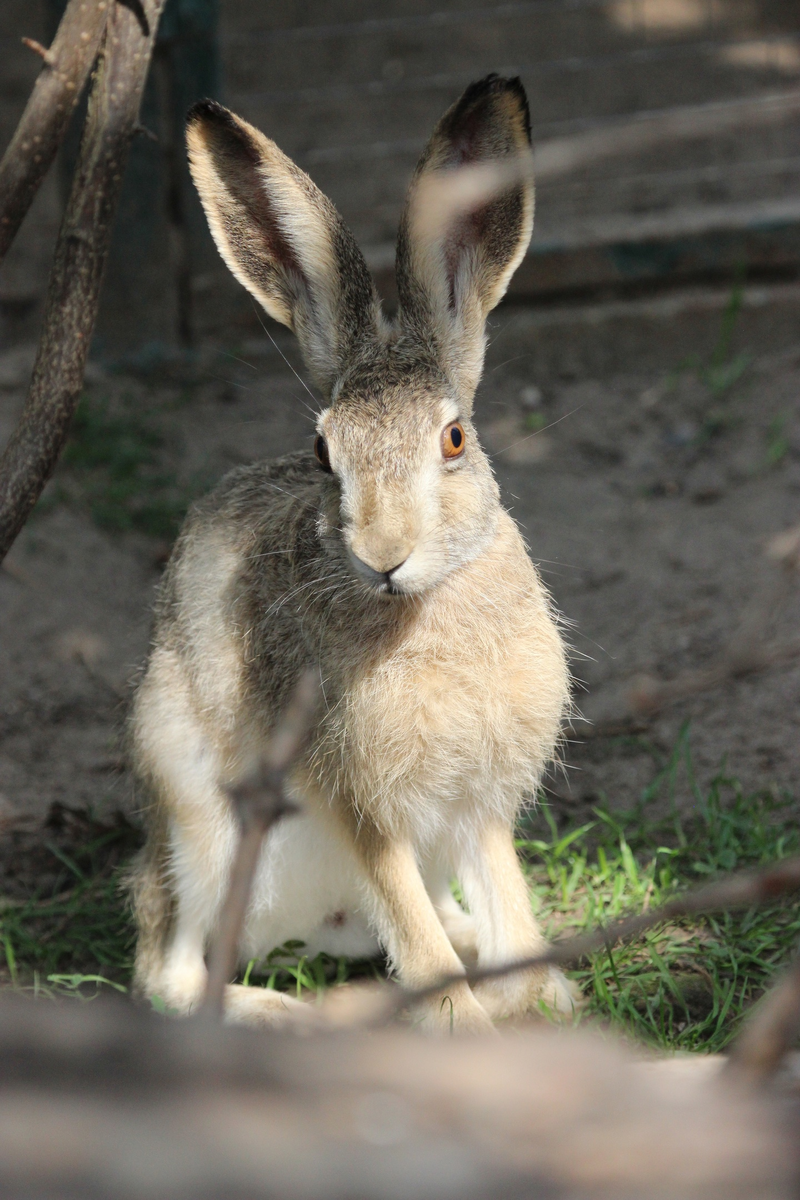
[101,1100]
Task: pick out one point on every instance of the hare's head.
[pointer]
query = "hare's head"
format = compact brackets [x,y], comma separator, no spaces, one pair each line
[410,494]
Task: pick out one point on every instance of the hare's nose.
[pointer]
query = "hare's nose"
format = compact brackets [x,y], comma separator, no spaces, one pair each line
[369,574]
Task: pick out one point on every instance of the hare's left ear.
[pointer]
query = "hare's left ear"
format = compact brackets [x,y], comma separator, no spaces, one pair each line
[284,240]
[466,224]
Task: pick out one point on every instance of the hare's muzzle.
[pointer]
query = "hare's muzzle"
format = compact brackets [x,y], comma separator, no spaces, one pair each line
[379,579]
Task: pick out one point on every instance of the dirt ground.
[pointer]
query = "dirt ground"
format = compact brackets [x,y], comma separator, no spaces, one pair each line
[648,499]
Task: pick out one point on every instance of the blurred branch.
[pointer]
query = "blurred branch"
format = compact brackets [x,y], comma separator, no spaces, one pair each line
[741,890]
[78,265]
[770,1032]
[259,801]
[648,130]
[47,114]
[446,196]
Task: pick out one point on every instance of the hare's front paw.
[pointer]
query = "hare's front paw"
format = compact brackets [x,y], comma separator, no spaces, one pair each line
[530,992]
[455,1010]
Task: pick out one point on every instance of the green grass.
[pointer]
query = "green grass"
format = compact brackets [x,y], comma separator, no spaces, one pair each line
[683,987]
[686,986]
[65,926]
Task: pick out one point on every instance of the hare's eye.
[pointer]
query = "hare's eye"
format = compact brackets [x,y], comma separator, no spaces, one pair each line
[453,439]
[321,451]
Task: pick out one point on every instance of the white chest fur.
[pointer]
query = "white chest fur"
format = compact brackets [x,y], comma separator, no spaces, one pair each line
[462,714]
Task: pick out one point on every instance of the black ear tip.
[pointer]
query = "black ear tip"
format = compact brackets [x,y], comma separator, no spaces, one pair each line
[492,86]
[516,86]
[209,110]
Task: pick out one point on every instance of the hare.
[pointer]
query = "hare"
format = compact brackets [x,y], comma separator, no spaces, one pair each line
[384,560]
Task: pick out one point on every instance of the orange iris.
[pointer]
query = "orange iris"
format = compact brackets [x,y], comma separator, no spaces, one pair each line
[453,440]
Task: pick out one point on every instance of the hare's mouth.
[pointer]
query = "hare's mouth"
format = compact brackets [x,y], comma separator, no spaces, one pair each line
[391,591]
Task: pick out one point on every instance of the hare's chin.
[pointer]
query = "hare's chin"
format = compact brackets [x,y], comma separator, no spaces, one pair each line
[391,593]
[387,591]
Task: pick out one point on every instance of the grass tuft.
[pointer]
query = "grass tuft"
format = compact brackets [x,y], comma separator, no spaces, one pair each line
[65,925]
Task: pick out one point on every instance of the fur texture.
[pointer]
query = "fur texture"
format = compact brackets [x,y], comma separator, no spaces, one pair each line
[394,570]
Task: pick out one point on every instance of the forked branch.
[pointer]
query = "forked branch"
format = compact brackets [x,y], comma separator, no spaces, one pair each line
[78,265]
[65,69]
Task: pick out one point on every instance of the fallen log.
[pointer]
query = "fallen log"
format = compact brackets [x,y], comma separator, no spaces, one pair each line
[101,1100]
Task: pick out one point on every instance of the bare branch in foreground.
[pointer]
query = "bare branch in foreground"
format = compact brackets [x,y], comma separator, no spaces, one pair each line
[770,1032]
[741,890]
[44,122]
[647,130]
[260,801]
[78,265]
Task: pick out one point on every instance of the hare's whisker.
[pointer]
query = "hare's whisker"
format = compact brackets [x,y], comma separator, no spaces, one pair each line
[235,358]
[536,432]
[283,356]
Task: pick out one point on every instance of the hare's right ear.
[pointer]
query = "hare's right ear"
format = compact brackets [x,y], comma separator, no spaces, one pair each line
[466,225]
[283,239]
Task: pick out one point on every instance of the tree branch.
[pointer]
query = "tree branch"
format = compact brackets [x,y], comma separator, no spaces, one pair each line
[78,265]
[556,157]
[44,122]
[260,801]
[741,890]
[770,1032]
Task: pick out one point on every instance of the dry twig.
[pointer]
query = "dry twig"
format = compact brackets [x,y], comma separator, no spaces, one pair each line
[78,264]
[770,1032]
[43,124]
[647,130]
[741,890]
[260,800]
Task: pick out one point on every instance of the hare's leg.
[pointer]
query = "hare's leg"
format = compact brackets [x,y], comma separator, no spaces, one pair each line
[457,924]
[184,873]
[412,933]
[498,898]
[179,977]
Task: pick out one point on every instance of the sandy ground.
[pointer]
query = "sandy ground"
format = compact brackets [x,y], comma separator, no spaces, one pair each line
[647,500]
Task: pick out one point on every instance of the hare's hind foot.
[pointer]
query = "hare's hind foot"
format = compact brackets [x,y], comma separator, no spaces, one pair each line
[261,1006]
[182,994]
[530,993]
[456,1009]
